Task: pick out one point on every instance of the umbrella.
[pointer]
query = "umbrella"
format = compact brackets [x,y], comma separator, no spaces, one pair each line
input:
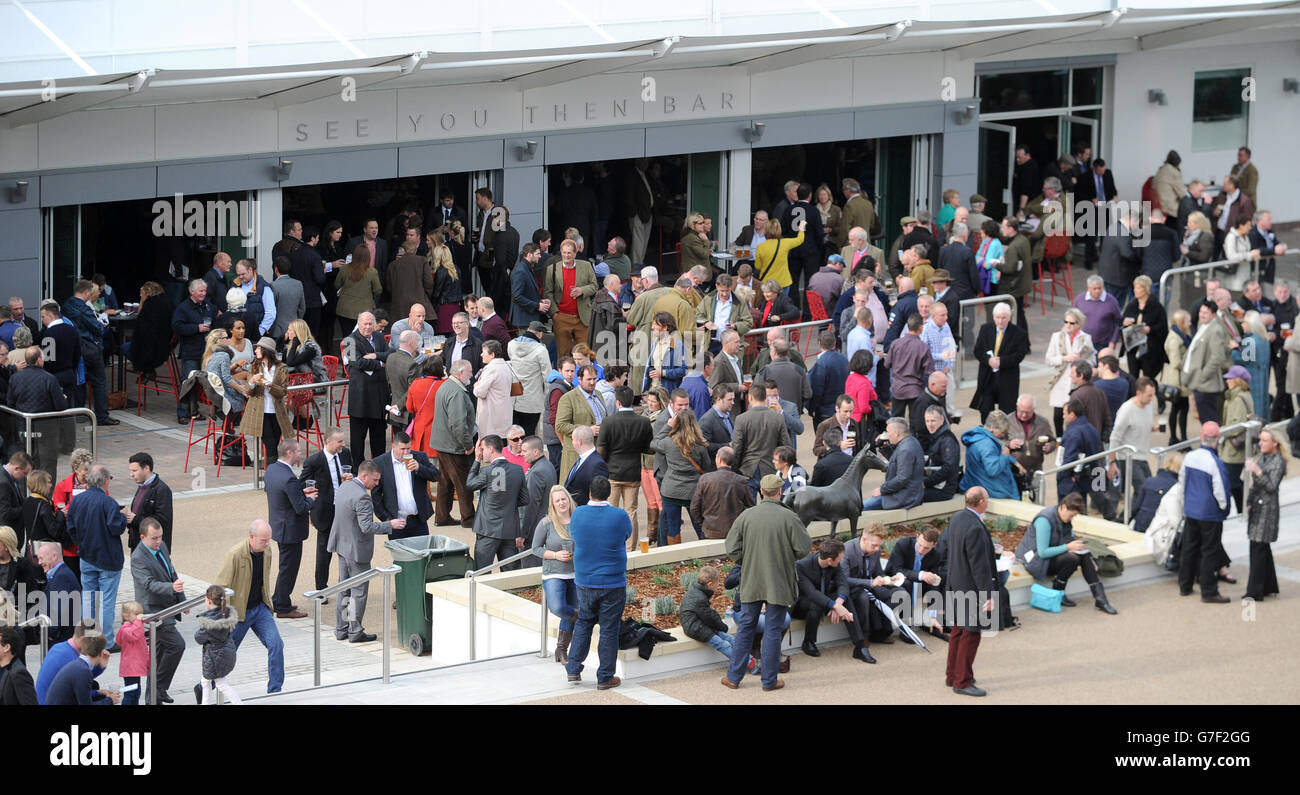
[902,628]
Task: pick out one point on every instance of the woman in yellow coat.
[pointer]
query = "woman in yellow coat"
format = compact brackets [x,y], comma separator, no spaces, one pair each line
[771,257]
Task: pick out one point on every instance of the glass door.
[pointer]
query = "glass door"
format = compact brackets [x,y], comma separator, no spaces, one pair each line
[62,250]
[1078,128]
[894,185]
[996,162]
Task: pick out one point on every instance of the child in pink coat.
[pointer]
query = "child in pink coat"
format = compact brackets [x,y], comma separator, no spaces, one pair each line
[133,664]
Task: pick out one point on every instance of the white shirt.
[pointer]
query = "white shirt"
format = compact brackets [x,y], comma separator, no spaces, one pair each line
[722,315]
[1223,216]
[457,347]
[582,457]
[268,402]
[405,496]
[335,466]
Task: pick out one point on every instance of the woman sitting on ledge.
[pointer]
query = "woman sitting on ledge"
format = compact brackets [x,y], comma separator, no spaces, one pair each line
[1049,548]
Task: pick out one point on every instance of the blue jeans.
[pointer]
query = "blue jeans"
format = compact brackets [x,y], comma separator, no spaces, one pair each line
[562,601]
[102,583]
[133,698]
[670,521]
[746,625]
[603,606]
[93,356]
[762,622]
[555,452]
[183,408]
[262,622]
[873,504]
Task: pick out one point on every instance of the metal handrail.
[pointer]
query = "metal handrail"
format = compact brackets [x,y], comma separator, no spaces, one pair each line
[44,621]
[785,326]
[1254,269]
[28,416]
[319,595]
[1128,450]
[473,597]
[1252,429]
[956,323]
[161,615]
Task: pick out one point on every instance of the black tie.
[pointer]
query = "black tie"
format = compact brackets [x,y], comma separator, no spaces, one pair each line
[167,567]
[338,473]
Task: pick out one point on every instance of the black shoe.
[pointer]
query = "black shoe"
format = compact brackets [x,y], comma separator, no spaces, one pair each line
[110,421]
[863,654]
[810,649]
[182,420]
[364,637]
[939,633]
[574,678]
[198,694]
[1182,592]
[1215,599]
[115,649]
[163,698]
[970,691]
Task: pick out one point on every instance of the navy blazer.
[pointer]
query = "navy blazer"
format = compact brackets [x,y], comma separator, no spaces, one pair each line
[287,507]
[384,495]
[62,581]
[579,481]
[75,684]
[524,296]
[1080,441]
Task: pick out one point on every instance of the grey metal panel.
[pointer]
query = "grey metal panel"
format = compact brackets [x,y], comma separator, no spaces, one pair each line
[515,160]
[902,120]
[351,166]
[91,187]
[22,277]
[603,145]
[217,176]
[526,223]
[33,199]
[1038,64]
[959,152]
[803,129]
[689,138]
[20,234]
[522,188]
[448,158]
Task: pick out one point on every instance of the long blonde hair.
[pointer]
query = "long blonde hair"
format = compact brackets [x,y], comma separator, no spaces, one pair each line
[440,257]
[302,332]
[561,525]
[215,337]
[457,232]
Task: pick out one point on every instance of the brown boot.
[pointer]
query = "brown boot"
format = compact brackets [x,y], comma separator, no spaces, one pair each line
[562,646]
[674,540]
[652,524]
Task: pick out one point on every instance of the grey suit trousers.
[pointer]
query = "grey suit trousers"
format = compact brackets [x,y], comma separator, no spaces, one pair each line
[351,607]
[488,550]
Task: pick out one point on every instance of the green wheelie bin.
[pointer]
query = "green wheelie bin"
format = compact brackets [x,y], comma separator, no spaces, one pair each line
[423,559]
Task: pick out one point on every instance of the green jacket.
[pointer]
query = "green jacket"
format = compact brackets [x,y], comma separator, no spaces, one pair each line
[767,540]
[1207,359]
[1237,407]
[553,287]
[741,317]
[453,419]
[1017,283]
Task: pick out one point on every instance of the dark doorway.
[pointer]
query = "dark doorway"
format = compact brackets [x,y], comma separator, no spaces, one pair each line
[817,164]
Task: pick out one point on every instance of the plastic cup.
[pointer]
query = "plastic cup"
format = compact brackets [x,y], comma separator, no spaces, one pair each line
[645,545]
[309,484]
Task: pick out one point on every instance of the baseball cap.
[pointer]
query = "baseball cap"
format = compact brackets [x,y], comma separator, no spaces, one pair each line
[771,483]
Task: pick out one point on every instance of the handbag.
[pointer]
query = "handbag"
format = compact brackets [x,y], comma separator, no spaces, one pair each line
[1044,598]
[516,388]
[410,426]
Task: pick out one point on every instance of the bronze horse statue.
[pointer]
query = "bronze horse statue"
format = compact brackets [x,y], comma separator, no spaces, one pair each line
[841,499]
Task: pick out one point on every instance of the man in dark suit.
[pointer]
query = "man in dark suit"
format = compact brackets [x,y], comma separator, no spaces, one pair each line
[157,587]
[1096,186]
[403,490]
[716,422]
[62,591]
[972,588]
[464,343]
[493,325]
[153,499]
[807,258]
[537,483]
[329,467]
[13,492]
[588,466]
[367,388]
[999,347]
[352,536]
[445,211]
[917,559]
[500,485]
[1081,440]
[287,506]
[505,253]
[378,246]
[624,437]
[866,579]
[61,354]
[824,592]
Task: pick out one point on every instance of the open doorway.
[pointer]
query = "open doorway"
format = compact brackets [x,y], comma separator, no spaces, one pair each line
[817,164]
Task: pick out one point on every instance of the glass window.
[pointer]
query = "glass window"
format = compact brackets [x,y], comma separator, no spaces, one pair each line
[1219,118]
[1023,91]
[1087,86]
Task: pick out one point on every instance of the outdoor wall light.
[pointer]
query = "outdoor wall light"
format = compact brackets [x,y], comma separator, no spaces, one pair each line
[1157,96]
[965,115]
[754,132]
[527,150]
[18,193]
[282,169]
[1290,85]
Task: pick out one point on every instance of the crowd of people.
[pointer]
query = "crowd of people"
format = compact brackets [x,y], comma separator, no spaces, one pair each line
[574,386]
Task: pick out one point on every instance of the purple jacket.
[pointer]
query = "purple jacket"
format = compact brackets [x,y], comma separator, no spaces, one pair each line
[910,364]
[1102,319]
